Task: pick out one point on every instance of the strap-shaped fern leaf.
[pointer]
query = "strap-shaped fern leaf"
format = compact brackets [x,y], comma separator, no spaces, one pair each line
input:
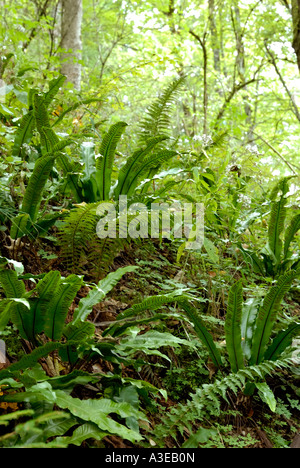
[54,87]
[140,169]
[281,186]
[19,226]
[71,177]
[267,315]
[150,303]
[105,163]
[136,158]
[80,332]
[253,259]
[15,288]
[34,191]
[282,341]
[12,286]
[290,233]
[46,289]
[24,133]
[202,333]
[276,227]
[233,327]
[58,308]
[42,120]
[98,293]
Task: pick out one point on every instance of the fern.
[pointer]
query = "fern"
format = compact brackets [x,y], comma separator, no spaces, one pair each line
[34,191]
[157,120]
[276,227]
[24,133]
[137,157]
[267,315]
[202,333]
[152,161]
[98,293]
[290,233]
[58,307]
[105,163]
[207,400]
[78,229]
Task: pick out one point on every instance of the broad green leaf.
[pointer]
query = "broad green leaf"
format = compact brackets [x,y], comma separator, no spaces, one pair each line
[266,395]
[233,327]
[98,412]
[98,293]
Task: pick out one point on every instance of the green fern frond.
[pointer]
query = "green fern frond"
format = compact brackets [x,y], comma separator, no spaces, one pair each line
[58,307]
[137,157]
[54,87]
[78,229]
[282,341]
[24,133]
[157,120]
[34,191]
[206,400]
[281,187]
[202,332]
[290,233]
[276,226]
[152,161]
[105,162]
[267,315]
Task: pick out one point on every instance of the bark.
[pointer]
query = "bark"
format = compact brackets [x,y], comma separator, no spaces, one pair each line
[296,29]
[214,35]
[71,43]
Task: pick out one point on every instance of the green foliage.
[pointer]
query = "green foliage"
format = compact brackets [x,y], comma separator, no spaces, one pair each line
[277,257]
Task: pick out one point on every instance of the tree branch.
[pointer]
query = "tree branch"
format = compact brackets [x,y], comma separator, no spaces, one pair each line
[273,61]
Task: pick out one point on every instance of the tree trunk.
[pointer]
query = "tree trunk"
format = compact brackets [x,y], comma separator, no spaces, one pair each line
[71,41]
[296,29]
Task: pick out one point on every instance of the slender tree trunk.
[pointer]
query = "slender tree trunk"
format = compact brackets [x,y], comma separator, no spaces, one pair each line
[71,41]
[214,35]
[296,29]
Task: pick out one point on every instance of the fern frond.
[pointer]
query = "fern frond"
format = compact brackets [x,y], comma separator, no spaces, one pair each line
[290,233]
[34,191]
[54,87]
[137,157]
[202,332]
[58,307]
[206,400]
[98,293]
[267,315]
[282,341]
[24,133]
[157,120]
[105,162]
[282,187]
[152,161]
[42,120]
[276,227]
[78,229]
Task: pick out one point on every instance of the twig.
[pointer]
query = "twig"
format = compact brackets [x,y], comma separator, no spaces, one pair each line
[276,152]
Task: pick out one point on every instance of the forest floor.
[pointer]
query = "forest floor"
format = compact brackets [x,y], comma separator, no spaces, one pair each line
[244,422]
